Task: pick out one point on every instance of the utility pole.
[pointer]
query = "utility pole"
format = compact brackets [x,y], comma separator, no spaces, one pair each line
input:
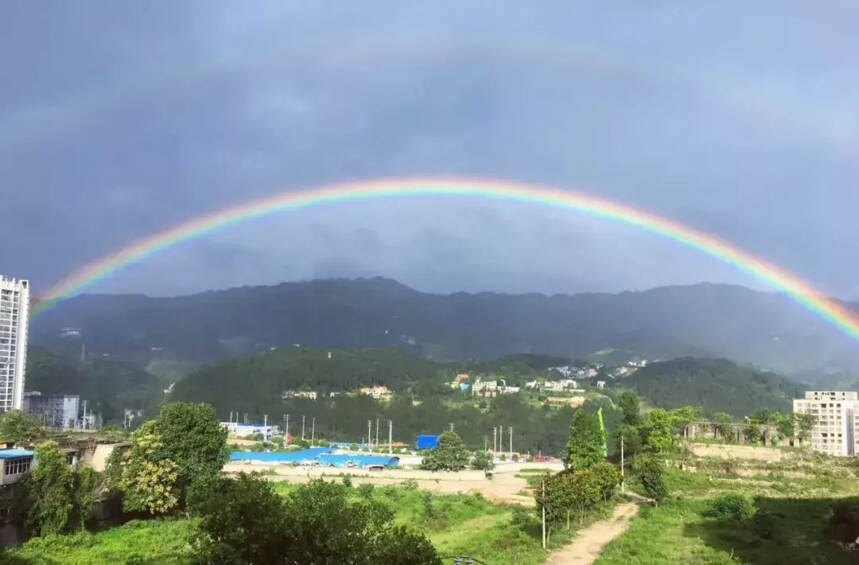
[494,439]
[500,438]
[264,421]
[621,465]
[302,427]
[287,426]
[369,433]
[511,441]
[485,439]
[544,513]
[246,418]
[312,430]
[377,431]
[451,426]
[390,436]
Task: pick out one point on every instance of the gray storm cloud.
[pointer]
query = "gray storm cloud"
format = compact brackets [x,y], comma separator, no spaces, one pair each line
[120,121]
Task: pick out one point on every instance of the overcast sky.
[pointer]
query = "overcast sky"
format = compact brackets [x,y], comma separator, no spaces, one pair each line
[119,119]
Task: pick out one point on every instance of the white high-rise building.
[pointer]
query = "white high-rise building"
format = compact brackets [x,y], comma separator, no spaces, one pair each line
[14,317]
[836,420]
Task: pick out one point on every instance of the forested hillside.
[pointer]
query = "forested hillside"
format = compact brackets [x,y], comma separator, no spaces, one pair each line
[107,385]
[716,385]
[258,380]
[705,320]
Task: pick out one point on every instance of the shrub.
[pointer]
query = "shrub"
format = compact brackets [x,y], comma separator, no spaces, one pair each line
[410,484]
[449,455]
[366,491]
[347,481]
[649,470]
[732,507]
[482,462]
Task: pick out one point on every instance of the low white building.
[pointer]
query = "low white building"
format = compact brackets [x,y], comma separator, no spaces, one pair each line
[377,392]
[484,388]
[249,430]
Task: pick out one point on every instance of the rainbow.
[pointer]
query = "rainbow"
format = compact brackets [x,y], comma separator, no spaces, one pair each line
[800,291]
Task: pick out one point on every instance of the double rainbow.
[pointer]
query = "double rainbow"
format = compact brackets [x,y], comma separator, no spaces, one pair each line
[802,292]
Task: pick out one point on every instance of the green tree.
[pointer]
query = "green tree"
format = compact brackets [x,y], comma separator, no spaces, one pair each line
[650,470]
[587,441]
[585,490]
[449,455]
[658,430]
[752,433]
[607,477]
[88,483]
[723,424]
[150,480]
[323,526]
[803,424]
[630,406]
[785,427]
[681,417]
[20,428]
[554,494]
[51,490]
[184,445]
[242,521]
[192,438]
[631,439]
[482,462]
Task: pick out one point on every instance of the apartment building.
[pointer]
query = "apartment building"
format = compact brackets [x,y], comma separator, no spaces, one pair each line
[836,415]
[60,411]
[14,317]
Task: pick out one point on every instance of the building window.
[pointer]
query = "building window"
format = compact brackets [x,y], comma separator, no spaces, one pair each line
[16,466]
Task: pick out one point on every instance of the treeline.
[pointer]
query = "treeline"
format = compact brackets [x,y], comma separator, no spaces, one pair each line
[716,385]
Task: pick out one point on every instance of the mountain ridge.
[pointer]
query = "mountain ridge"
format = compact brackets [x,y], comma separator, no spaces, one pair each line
[706,319]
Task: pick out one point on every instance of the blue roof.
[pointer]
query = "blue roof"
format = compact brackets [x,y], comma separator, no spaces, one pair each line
[11,453]
[320,455]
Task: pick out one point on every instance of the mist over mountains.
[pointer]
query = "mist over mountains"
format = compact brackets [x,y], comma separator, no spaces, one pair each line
[707,320]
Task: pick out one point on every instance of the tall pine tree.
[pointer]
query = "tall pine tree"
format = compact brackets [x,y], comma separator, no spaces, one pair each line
[586,445]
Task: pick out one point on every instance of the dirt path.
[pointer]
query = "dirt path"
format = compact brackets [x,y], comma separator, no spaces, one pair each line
[589,542]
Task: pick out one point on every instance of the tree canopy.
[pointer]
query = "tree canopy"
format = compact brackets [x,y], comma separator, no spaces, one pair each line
[244,521]
[449,455]
[586,446]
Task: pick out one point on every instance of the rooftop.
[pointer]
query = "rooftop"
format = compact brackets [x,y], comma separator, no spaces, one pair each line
[12,453]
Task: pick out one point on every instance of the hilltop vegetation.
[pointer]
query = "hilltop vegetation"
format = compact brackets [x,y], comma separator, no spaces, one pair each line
[716,385]
[108,385]
[257,379]
[701,320]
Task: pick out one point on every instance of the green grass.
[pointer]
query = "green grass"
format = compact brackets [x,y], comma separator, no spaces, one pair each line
[679,531]
[139,541]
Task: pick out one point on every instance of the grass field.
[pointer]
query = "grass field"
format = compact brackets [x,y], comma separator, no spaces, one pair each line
[785,530]
[791,524]
[458,525]
[139,542]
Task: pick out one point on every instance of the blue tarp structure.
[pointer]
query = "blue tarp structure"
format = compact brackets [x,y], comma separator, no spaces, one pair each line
[318,455]
[427,441]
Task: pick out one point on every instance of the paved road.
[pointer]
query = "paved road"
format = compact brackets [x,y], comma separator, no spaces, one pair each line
[589,542]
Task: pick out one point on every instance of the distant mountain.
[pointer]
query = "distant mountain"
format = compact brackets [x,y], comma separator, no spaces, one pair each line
[716,385]
[705,320]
